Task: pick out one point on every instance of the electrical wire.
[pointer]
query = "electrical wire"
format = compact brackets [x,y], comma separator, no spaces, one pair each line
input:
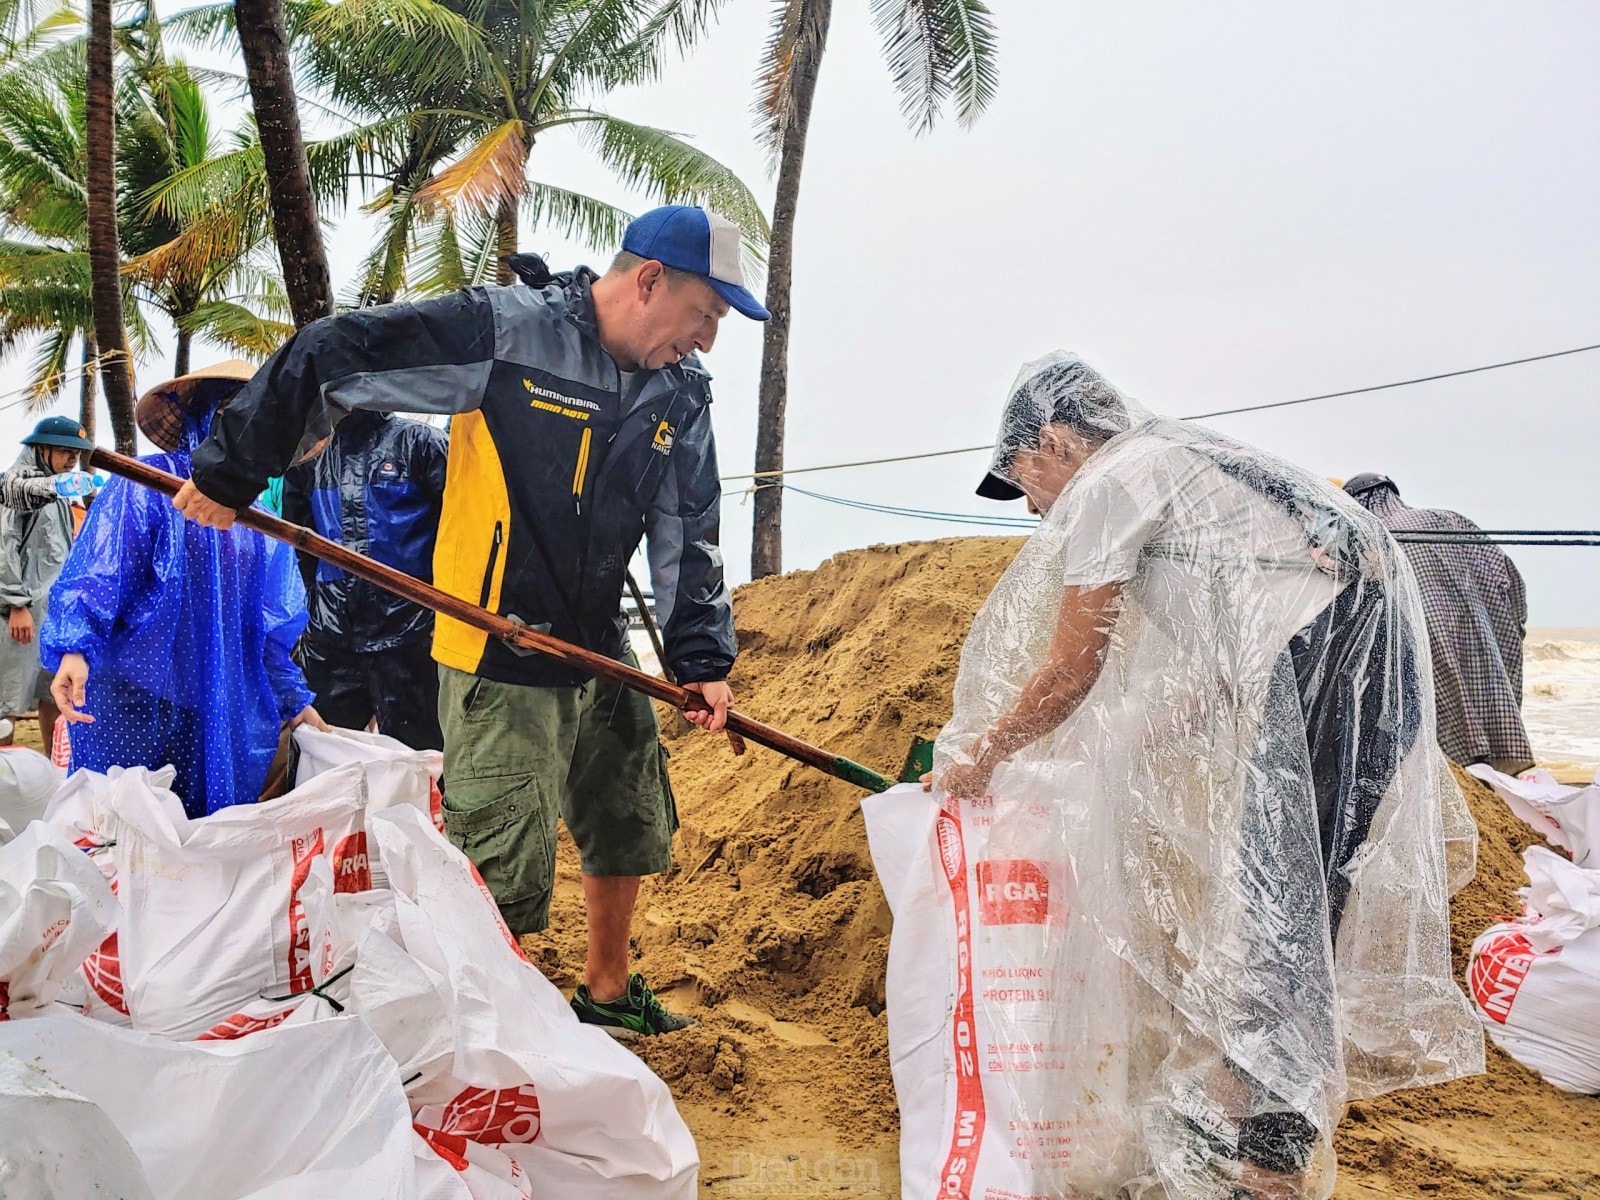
[995,520]
[1427,540]
[1522,537]
[1221,412]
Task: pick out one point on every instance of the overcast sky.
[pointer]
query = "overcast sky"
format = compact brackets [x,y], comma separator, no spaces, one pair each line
[1217,205]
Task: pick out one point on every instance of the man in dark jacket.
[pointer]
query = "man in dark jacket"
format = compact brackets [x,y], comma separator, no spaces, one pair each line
[583,425]
[377,488]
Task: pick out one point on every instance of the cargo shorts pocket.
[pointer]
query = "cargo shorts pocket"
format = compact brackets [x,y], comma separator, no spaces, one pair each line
[508,831]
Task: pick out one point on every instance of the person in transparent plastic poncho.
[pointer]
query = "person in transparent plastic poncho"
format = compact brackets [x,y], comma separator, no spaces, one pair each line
[171,642]
[1202,693]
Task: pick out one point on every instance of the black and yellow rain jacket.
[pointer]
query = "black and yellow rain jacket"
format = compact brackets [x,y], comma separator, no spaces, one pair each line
[558,465]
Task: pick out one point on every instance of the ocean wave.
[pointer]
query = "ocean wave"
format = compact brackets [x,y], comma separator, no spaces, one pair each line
[1561,651]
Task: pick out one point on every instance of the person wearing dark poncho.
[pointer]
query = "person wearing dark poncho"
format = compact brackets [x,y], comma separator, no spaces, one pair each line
[1477,611]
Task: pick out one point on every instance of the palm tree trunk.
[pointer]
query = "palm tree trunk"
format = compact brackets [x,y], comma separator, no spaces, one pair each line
[105,254]
[86,395]
[264,41]
[506,241]
[180,360]
[766,543]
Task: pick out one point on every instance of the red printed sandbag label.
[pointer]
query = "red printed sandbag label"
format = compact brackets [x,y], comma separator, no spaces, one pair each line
[435,804]
[352,869]
[61,745]
[451,1147]
[509,1116]
[102,970]
[53,932]
[5,1001]
[505,930]
[1013,891]
[1497,973]
[240,1024]
[966,1135]
[305,850]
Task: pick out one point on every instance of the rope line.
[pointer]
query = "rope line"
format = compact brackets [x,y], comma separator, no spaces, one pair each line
[1221,412]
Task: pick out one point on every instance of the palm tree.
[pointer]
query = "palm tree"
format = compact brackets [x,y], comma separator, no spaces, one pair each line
[105,254]
[264,42]
[45,273]
[936,51]
[455,95]
[164,128]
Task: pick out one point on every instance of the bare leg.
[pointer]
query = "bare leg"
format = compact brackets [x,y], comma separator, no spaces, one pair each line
[48,714]
[608,900]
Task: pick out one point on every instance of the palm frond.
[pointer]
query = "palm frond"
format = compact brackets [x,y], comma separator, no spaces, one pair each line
[935,49]
[47,373]
[237,327]
[437,266]
[662,164]
[41,307]
[383,273]
[190,119]
[573,215]
[195,189]
[420,45]
[480,250]
[24,32]
[487,174]
[211,240]
[597,43]
[204,25]
[795,44]
[683,21]
[24,263]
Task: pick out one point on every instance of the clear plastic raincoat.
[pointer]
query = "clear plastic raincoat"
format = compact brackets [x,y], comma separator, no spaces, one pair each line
[1244,817]
[187,632]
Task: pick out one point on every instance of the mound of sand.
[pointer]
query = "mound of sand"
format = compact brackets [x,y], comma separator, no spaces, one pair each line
[772,930]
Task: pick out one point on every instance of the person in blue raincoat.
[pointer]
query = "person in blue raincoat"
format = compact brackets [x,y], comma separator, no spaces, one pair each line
[171,642]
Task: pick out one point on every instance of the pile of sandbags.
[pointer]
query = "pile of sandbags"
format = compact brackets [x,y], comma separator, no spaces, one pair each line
[310,997]
[1536,980]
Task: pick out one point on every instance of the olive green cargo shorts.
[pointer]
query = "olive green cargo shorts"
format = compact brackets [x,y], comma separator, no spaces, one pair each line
[516,758]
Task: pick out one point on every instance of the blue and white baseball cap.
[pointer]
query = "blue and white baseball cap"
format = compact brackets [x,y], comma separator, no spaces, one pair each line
[692,239]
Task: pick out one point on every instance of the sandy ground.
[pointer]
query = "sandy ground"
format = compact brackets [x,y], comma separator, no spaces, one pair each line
[772,930]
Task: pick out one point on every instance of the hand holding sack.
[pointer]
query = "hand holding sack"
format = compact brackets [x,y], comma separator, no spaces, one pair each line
[1008,1034]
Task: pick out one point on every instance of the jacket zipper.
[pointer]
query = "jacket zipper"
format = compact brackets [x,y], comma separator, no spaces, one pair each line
[581,470]
[494,557]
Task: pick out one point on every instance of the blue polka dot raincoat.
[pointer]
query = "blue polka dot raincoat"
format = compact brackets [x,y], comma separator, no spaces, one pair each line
[187,632]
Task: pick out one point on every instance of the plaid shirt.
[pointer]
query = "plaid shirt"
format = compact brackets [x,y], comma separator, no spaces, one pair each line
[1477,611]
